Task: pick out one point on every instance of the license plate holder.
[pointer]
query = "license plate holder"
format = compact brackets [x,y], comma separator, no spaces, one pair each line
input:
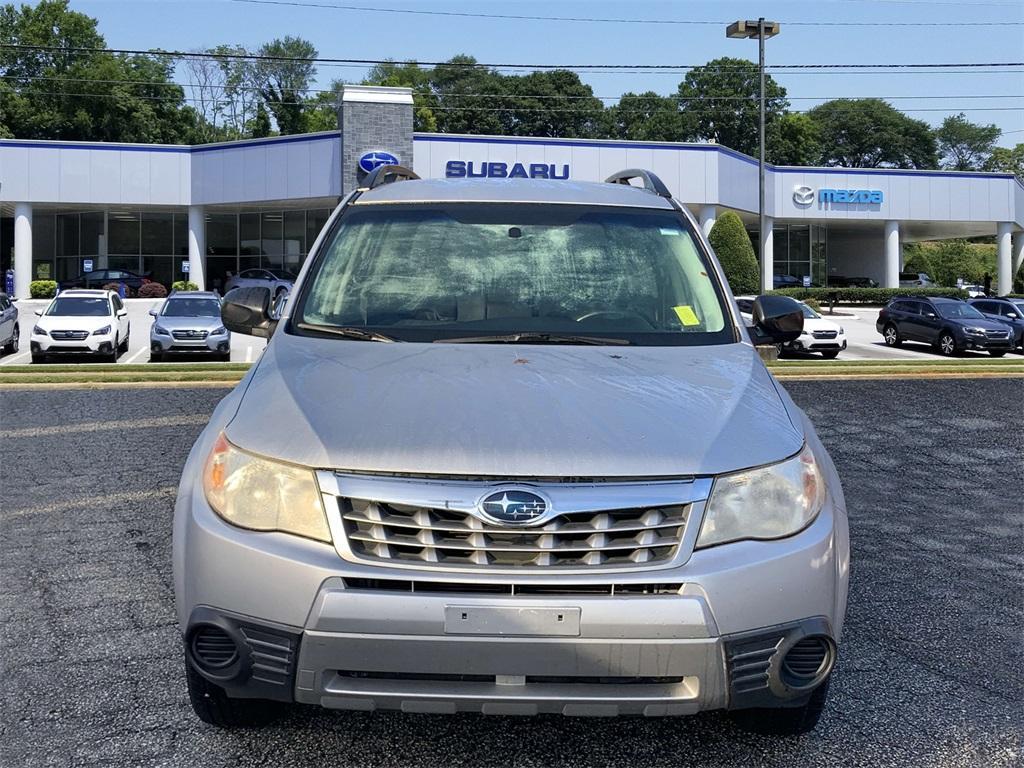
[527,621]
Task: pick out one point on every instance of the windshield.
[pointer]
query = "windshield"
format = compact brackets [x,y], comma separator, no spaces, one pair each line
[952,311]
[79,306]
[191,308]
[436,272]
[809,313]
[282,274]
[1020,306]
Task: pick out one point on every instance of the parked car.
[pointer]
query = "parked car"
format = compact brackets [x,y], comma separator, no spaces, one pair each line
[1010,312]
[839,281]
[82,322]
[819,335]
[915,280]
[10,331]
[975,291]
[539,469]
[189,322]
[789,281]
[100,277]
[949,325]
[279,281]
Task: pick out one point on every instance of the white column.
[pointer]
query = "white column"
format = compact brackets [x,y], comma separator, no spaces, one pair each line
[708,215]
[1004,261]
[768,249]
[892,255]
[22,249]
[197,246]
[1017,246]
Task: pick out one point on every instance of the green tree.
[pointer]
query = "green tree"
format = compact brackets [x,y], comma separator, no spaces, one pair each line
[871,133]
[552,103]
[259,127]
[647,117]
[409,75]
[1006,160]
[84,94]
[720,100]
[732,246]
[793,139]
[469,98]
[916,259]
[322,109]
[963,145]
[283,80]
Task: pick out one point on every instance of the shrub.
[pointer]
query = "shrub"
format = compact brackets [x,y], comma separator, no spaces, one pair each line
[184,285]
[735,253]
[42,289]
[867,295]
[151,291]
[813,304]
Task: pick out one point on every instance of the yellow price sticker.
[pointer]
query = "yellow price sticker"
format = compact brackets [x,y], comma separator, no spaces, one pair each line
[686,315]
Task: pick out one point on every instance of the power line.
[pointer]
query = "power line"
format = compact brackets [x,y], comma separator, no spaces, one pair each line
[599,20]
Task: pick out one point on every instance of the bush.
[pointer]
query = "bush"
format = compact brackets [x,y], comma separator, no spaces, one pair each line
[42,289]
[867,295]
[813,304]
[735,253]
[184,285]
[116,288]
[151,291]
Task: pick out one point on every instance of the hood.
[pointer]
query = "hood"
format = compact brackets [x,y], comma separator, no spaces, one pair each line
[188,323]
[820,324]
[970,322]
[512,410]
[73,322]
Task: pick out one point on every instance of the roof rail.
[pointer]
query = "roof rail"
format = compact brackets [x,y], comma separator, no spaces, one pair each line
[386,174]
[651,182]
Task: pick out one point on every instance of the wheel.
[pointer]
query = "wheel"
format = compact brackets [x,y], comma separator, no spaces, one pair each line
[891,336]
[215,707]
[784,721]
[124,345]
[831,354]
[779,349]
[947,344]
[997,352]
[12,346]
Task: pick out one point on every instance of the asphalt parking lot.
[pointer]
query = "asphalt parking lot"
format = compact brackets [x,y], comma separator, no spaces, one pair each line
[931,671]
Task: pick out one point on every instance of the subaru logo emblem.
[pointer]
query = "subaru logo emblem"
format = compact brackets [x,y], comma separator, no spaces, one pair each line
[375,159]
[803,195]
[513,507]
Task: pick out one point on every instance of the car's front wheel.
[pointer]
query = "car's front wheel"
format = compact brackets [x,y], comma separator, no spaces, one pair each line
[212,705]
[891,336]
[12,346]
[784,721]
[947,344]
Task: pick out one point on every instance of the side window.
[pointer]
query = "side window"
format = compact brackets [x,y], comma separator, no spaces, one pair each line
[898,306]
[1005,309]
[118,306]
[987,306]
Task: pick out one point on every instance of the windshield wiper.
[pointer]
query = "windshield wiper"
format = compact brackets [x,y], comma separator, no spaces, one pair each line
[533,338]
[358,334]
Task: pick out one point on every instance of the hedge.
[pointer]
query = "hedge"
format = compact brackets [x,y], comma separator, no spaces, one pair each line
[42,289]
[732,246]
[184,285]
[866,295]
[151,291]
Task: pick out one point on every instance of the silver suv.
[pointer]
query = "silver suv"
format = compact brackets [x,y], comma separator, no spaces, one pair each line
[511,450]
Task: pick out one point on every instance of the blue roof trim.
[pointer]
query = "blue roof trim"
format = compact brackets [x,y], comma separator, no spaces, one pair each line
[184,148]
[265,142]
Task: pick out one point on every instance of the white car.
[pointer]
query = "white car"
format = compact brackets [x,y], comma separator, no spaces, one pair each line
[819,335]
[81,322]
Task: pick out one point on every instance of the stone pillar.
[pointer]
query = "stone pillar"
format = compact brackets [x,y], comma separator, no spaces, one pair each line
[1004,260]
[768,249]
[197,246]
[1017,247]
[892,255]
[22,249]
[373,119]
[708,216]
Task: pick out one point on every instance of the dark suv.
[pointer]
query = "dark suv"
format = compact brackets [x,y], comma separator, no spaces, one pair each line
[1009,312]
[949,325]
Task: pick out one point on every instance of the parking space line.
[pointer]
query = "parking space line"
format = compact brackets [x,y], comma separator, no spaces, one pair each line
[134,357]
[100,426]
[248,354]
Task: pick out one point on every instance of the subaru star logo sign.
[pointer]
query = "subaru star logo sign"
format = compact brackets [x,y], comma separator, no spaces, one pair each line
[511,506]
[374,159]
[803,195]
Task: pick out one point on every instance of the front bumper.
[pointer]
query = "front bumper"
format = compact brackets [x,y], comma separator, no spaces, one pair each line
[985,344]
[89,345]
[161,344]
[811,344]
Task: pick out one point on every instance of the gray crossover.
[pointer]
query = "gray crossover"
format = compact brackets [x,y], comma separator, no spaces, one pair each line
[189,322]
[511,450]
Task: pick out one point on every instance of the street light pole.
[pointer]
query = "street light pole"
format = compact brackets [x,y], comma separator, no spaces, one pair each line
[762,30]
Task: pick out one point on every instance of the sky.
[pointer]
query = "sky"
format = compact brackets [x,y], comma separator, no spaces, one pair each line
[984,96]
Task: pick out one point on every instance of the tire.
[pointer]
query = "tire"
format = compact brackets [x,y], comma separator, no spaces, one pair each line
[784,721]
[997,352]
[212,705]
[12,346]
[947,344]
[124,345]
[830,355]
[891,335]
[779,350]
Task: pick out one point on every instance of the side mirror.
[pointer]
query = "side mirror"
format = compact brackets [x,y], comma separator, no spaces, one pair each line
[1012,315]
[929,314]
[39,313]
[777,319]
[247,310]
[153,313]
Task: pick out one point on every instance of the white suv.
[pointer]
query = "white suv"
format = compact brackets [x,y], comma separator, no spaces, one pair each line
[82,322]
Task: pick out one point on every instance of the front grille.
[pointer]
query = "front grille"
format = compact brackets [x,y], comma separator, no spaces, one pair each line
[272,654]
[188,335]
[511,590]
[69,335]
[997,334]
[527,679]
[825,334]
[394,534]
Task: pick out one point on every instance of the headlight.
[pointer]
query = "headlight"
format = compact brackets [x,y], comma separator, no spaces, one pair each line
[218,331]
[975,331]
[101,331]
[40,331]
[159,330]
[764,503]
[263,495]
[841,331]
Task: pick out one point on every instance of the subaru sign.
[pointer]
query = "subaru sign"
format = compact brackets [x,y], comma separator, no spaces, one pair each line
[513,506]
[375,159]
[461,169]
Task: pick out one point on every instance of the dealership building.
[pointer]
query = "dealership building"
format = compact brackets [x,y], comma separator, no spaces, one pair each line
[205,212]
